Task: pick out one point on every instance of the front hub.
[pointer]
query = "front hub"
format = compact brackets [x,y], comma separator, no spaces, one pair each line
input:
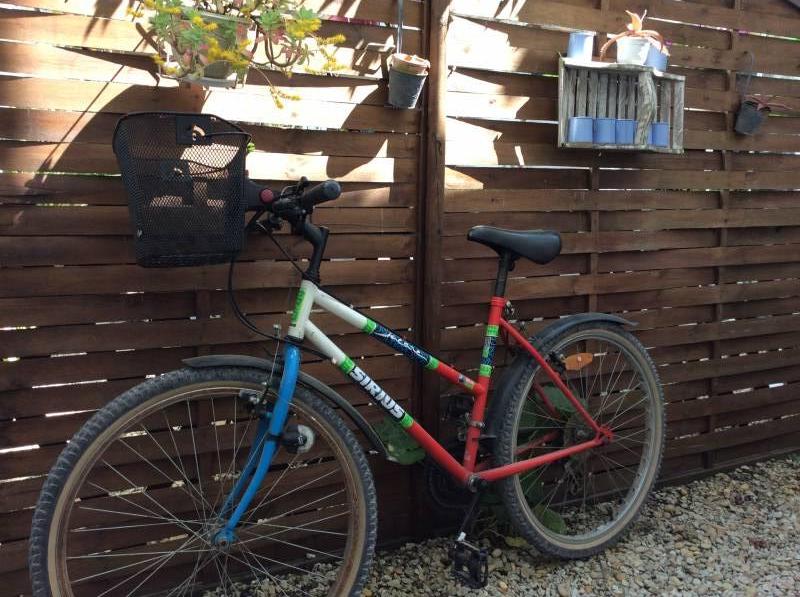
[223,539]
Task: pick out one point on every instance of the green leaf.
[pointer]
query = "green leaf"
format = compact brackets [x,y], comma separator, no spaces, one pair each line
[270,19]
[517,542]
[305,13]
[400,446]
[552,520]
[559,401]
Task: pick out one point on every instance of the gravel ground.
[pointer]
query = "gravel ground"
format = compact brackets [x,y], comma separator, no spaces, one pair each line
[734,534]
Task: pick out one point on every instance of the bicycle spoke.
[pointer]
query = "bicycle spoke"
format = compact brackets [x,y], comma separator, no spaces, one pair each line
[196,461]
[142,519]
[274,580]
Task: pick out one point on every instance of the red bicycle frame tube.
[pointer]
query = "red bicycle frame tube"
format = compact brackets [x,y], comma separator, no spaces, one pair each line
[469,469]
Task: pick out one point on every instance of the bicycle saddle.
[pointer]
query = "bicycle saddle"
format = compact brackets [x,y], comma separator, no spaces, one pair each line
[540,246]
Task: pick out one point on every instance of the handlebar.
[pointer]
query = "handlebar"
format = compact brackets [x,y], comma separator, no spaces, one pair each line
[262,198]
[293,205]
[324,191]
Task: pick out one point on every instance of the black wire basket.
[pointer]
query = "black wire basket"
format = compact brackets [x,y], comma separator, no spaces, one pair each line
[184,176]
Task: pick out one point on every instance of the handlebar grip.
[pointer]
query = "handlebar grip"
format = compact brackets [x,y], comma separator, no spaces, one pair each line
[325,191]
[257,196]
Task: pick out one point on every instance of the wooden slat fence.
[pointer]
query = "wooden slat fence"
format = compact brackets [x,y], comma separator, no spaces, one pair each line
[700,248]
[81,322]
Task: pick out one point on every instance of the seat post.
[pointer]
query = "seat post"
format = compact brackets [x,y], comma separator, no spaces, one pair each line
[507,259]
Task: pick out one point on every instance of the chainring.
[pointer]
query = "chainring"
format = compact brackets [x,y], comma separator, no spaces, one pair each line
[444,491]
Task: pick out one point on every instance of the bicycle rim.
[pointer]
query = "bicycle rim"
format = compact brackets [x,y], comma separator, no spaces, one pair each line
[139,511]
[584,501]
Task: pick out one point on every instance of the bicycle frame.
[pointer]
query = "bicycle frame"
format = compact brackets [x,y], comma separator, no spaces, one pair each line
[466,472]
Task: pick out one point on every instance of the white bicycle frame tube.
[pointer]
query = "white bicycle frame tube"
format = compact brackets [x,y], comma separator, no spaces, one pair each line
[302,328]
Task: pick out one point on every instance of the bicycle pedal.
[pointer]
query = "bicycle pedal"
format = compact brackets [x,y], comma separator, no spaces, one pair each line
[470,564]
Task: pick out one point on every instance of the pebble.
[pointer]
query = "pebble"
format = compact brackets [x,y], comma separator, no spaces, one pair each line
[689,541]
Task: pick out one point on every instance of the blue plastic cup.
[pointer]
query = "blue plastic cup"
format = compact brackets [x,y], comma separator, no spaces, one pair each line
[580,129]
[605,132]
[656,58]
[580,46]
[626,131]
[658,134]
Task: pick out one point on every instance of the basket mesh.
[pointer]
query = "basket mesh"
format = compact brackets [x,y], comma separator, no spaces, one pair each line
[184,176]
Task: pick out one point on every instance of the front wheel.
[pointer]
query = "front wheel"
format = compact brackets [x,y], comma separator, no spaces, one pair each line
[577,506]
[134,504]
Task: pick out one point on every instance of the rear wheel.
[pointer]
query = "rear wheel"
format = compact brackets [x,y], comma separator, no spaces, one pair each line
[577,506]
[133,504]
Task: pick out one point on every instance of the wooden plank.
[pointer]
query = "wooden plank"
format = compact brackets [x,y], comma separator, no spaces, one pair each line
[61,310]
[483,178]
[141,335]
[374,10]
[460,223]
[71,250]
[106,221]
[134,35]
[513,200]
[471,292]
[457,247]
[720,16]
[119,98]
[65,127]
[43,60]
[98,158]
[717,256]
[26,373]
[706,218]
[53,281]
[699,296]
[485,152]
[688,179]
[42,188]
[250,107]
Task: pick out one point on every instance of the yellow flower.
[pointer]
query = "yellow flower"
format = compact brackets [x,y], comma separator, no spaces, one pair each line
[302,27]
[333,40]
[158,59]
[197,20]
[174,10]
[210,27]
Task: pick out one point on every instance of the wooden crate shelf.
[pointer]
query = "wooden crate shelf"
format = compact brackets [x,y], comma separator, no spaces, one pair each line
[620,91]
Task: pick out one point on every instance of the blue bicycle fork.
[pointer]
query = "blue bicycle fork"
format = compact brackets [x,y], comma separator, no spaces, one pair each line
[267,436]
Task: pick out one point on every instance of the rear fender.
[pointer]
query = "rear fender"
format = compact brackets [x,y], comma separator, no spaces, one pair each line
[303,379]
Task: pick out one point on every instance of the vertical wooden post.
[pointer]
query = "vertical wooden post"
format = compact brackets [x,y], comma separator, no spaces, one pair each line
[722,238]
[432,207]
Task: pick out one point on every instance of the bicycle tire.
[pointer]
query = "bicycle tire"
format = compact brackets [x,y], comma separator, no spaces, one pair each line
[542,524]
[92,443]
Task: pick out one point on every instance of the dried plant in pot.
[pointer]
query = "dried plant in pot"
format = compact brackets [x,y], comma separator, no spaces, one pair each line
[633,44]
[752,112]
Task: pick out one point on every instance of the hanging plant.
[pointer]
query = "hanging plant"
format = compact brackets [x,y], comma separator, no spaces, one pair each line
[201,45]
[289,32]
[213,42]
[634,43]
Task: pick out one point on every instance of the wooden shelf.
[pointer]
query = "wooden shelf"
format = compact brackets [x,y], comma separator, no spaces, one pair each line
[620,147]
[625,91]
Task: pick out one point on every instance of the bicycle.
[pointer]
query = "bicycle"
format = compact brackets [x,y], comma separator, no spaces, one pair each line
[237,469]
